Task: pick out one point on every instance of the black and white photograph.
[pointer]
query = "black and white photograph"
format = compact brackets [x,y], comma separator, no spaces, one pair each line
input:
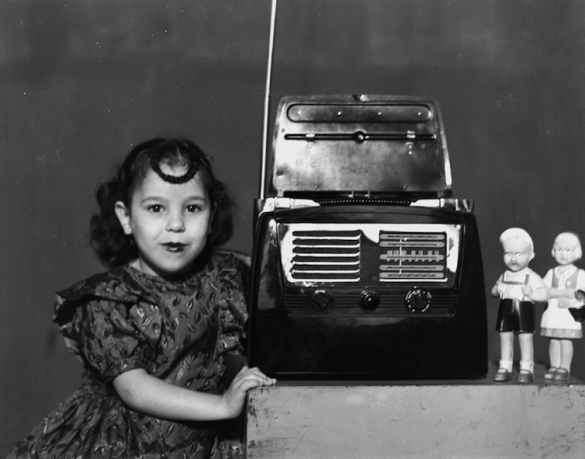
[291,229]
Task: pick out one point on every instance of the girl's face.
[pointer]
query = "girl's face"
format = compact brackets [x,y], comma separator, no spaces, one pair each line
[169,222]
[517,254]
[564,252]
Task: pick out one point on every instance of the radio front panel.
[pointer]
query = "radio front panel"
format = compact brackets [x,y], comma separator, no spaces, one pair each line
[367,269]
[372,253]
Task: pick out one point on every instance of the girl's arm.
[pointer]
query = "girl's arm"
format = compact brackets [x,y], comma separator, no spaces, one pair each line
[150,395]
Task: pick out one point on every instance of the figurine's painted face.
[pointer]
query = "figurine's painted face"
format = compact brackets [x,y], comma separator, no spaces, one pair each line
[517,254]
[565,252]
[169,222]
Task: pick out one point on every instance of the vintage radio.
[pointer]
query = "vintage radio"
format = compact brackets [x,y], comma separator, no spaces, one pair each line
[364,266]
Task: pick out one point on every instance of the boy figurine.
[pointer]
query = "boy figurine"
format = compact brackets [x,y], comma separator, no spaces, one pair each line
[518,289]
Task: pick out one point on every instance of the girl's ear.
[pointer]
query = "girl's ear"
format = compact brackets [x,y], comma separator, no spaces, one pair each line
[124,216]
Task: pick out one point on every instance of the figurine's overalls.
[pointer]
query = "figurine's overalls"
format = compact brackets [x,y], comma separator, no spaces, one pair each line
[515,315]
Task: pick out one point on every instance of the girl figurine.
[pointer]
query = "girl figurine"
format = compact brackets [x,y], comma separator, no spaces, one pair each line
[557,322]
[518,289]
[154,331]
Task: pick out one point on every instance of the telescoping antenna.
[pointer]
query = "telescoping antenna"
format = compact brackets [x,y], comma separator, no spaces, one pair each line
[265,133]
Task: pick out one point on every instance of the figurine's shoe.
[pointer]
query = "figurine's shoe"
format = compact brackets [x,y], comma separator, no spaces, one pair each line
[525,377]
[561,375]
[502,375]
[550,374]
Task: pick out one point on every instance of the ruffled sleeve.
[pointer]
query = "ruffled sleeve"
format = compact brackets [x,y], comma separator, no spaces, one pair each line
[112,331]
[114,340]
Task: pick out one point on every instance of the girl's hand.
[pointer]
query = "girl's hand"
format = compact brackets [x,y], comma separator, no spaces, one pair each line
[246,379]
[150,395]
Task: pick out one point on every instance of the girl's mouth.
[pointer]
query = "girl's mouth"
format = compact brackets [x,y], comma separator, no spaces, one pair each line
[174,246]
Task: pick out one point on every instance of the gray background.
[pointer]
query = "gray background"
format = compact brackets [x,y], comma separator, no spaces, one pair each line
[82,82]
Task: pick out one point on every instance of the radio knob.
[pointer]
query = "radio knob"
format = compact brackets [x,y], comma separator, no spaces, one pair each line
[369,300]
[418,300]
[320,301]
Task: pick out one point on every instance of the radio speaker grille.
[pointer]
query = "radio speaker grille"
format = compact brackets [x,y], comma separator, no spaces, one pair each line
[326,255]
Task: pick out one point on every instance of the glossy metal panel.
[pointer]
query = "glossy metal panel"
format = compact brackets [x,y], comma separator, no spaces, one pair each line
[373,144]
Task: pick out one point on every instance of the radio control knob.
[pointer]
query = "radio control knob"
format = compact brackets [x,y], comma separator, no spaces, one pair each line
[418,300]
[369,300]
[320,301]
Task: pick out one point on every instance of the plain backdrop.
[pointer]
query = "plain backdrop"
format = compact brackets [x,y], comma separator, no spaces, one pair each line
[81,82]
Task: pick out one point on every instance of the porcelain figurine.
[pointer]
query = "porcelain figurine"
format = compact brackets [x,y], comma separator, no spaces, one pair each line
[518,288]
[565,282]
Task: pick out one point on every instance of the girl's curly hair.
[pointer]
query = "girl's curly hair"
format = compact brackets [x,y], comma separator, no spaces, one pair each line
[112,246]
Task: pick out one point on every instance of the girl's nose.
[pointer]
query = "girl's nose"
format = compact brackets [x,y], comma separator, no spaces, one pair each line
[175,222]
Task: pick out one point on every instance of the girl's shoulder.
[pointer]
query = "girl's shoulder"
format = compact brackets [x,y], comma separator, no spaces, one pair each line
[117,285]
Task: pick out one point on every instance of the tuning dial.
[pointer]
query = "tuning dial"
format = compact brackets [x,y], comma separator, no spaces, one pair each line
[418,300]
[369,300]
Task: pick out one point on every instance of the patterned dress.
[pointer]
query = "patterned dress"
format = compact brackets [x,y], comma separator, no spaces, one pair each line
[179,332]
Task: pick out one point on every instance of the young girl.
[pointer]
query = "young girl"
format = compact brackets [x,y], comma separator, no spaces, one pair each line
[557,322]
[153,332]
[518,288]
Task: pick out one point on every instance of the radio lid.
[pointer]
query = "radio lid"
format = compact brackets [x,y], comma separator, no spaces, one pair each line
[374,144]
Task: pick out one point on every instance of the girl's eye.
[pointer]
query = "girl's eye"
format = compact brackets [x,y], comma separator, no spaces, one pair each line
[155,208]
[192,208]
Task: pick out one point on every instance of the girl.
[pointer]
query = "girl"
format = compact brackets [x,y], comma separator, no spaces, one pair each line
[153,332]
[557,322]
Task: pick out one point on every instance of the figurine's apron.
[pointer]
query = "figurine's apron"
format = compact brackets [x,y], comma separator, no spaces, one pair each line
[556,318]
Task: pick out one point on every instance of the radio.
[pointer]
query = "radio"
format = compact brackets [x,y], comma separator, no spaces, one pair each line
[364,265]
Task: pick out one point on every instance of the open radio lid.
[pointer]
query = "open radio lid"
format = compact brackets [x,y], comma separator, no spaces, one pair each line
[374,145]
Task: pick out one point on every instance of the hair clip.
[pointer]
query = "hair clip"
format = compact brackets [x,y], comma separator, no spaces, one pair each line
[175,179]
